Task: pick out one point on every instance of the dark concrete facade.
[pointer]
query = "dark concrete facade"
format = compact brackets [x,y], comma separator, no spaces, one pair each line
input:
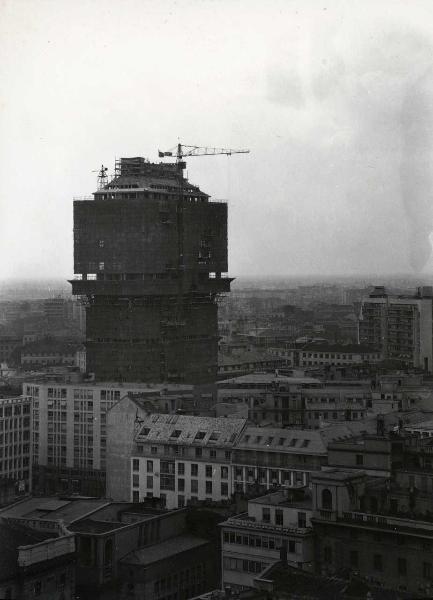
[149,251]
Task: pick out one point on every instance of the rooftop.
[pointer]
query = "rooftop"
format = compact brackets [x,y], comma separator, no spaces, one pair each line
[300,441]
[162,428]
[91,526]
[270,378]
[339,348]
[164,550]
[48,508]
[12,536]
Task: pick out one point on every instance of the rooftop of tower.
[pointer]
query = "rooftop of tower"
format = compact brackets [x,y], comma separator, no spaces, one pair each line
[139,174]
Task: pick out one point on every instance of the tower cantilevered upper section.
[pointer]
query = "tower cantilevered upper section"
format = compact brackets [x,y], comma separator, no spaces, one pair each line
[149,251]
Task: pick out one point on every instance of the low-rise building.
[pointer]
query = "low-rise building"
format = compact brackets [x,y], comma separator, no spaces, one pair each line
[271,398]
[35,563]
[322,354]
[363,526]
[181,459]
[267,457]
[276,525]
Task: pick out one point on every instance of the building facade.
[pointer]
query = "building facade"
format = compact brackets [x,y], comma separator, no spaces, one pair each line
[276,524]
[182,459]
[70,430]
[149,253]
[401,326]
[16,445]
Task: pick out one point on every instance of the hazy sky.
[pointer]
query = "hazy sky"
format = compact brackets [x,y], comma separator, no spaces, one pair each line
[334,99]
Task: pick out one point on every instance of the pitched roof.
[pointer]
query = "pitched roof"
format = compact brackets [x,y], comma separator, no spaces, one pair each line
[162,428]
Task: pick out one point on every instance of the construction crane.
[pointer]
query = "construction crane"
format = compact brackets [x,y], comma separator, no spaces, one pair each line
[181,151]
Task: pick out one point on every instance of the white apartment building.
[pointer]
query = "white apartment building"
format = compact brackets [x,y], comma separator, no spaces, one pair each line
[181,458]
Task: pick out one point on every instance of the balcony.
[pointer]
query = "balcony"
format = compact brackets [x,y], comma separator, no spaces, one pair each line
[417,527]
[81,287]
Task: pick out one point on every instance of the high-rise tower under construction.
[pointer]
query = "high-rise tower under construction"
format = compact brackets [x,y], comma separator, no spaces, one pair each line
[150,251]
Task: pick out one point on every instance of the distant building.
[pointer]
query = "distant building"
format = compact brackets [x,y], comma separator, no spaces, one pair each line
[271,398]
[49,352]
[55,310]
[401,326]
[8,343]
[230,365]
[322,354]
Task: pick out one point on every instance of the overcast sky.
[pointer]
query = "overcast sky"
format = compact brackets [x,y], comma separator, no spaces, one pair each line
[334,100]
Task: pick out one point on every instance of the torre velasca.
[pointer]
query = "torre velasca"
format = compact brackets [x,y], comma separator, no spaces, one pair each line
[150,252]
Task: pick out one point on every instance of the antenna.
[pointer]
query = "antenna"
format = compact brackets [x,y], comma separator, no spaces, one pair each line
[102,179]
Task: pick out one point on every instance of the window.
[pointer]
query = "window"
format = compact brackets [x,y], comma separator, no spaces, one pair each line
[224,489]
[181,468]
[224,472]
[194,486]
[135,480]
[377,562]
[212,453]
[154,450]
[266,515]
[149,482]
[359,460]
[227,454]
[198,452]
[292,546]
[150,466]
[181,485]
[209,471]
[176,433]
[208,487]
[135,496]
[402,566]
[302,519]
[278,516]
[135,464]
[200,435]
[194,470]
